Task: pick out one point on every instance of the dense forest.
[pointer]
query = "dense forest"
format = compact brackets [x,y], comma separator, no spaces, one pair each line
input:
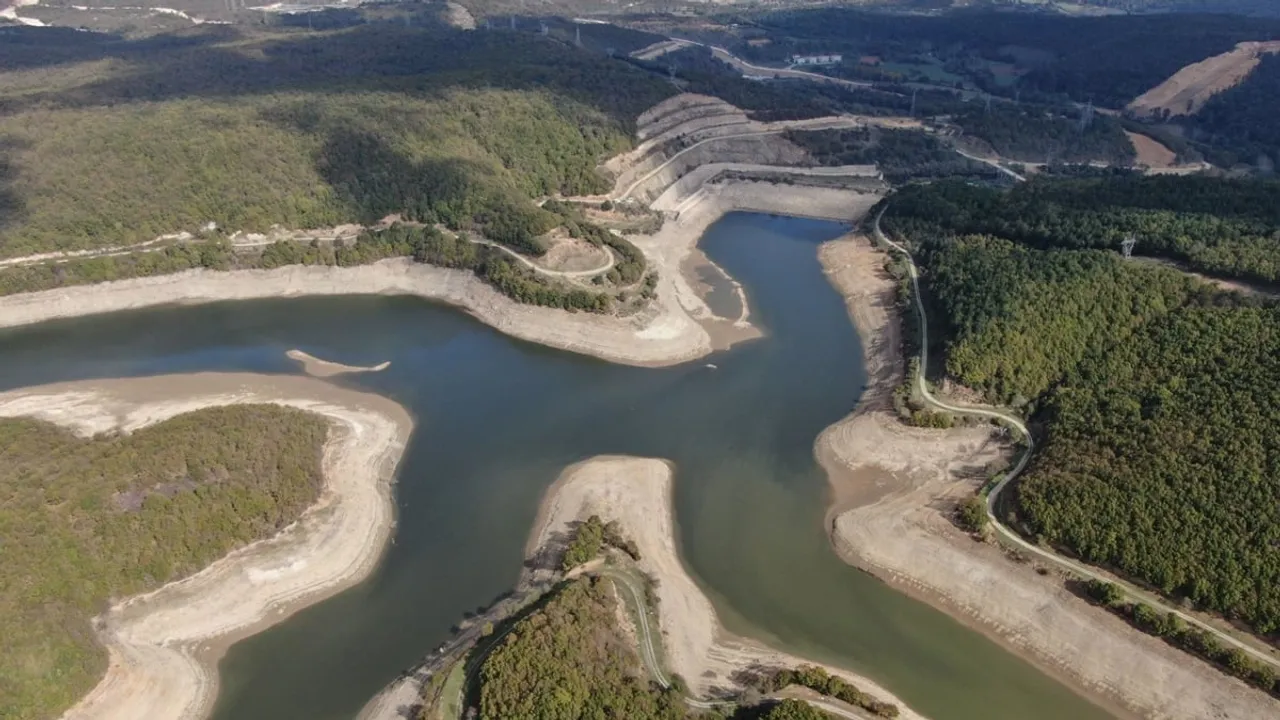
[1033,135]
[87,521]
[1019,319]
[1161,459]
[570,660]
[902,155]
[1153,392]
[249,131]
[1222,227]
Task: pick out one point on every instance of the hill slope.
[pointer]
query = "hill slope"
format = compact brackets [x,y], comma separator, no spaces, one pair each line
[1187,90]
[114,143]
[88,520]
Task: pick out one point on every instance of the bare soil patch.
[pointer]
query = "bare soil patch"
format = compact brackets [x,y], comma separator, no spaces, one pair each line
[1187,90]
[1151,153]
[567,254]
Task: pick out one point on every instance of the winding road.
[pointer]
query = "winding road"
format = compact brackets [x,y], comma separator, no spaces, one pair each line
[166,241]
[1007,534]
[569,274]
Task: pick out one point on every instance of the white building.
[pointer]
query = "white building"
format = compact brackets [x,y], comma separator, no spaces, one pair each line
[815,59]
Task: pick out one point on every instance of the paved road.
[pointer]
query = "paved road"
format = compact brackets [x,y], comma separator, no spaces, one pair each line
[1009,535]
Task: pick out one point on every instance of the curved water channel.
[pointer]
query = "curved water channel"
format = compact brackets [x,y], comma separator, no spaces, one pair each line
[499,419]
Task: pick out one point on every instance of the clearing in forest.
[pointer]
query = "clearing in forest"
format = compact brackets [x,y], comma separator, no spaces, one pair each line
[1151,153]
[1187,90]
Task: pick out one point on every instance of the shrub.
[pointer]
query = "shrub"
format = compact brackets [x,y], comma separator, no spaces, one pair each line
[972,514]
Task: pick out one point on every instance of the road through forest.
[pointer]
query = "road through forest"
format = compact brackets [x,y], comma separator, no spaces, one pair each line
[1007,534]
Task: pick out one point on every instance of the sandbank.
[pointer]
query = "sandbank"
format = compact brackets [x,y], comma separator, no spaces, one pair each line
[163,646]
[637,493]
[893,487]
[316,367]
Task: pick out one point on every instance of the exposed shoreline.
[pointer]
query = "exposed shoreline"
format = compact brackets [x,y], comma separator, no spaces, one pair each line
[677,327]
[637,493]
[316,367]
[892,486]
[164,645]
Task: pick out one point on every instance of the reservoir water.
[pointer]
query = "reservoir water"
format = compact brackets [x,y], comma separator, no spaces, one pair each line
[499,419]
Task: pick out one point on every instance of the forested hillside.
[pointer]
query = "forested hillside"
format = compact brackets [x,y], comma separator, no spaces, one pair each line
[1223,227]
[1019,319]
[1032,135]
[1243,118]
[901,155]
[1155,394]
[1161,459]
[569,659]
[88,521]
[130,140]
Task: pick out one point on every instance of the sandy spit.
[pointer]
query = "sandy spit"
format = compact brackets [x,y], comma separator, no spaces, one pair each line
[893,488]
[637,492]
[164,645]
[316,367]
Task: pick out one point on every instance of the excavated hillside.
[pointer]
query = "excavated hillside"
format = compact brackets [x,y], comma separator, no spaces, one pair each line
[692,131]
[1187,90]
